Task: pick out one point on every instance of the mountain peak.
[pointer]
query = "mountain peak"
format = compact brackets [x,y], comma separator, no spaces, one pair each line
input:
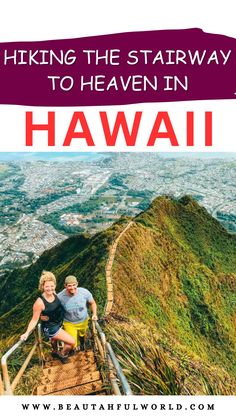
[174,277]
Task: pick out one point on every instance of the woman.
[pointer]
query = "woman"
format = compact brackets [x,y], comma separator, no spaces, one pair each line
[49,305]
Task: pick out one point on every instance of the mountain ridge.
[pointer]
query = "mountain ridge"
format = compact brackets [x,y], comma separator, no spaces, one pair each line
[174,284]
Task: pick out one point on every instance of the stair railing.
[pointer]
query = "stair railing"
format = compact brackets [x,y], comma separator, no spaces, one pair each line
[9,386]
[115,373]
[1,386]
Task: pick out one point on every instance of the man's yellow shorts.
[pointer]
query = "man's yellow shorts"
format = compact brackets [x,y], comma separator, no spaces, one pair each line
[76,329]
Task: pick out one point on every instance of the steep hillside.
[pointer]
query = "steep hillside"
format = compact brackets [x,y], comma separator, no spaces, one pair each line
[175,281]
[84,257]
[173,319]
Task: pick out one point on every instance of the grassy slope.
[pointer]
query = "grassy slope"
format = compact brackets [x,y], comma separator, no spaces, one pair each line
[174,276]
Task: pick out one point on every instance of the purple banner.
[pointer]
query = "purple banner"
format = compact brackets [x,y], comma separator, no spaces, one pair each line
[136,67]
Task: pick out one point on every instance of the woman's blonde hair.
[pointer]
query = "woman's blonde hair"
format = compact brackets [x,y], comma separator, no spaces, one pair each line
[46,276]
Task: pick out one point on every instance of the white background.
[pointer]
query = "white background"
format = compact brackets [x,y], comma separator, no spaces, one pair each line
[26,20]
[42,20]
[57,19]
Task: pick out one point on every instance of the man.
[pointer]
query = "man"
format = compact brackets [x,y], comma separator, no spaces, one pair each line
[75,300]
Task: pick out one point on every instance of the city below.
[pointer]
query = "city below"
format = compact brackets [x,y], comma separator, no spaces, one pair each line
[45,200]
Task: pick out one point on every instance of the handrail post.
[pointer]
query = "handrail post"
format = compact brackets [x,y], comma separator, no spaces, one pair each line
[38,337]
[5,374]
[113,362]
[6,380]
[97,342]
[23,368]
[112,376]
[8,387]
[119,371]
[101,334]
[1,386]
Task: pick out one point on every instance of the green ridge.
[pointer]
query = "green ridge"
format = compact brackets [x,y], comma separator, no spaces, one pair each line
[174,274]
[180,265]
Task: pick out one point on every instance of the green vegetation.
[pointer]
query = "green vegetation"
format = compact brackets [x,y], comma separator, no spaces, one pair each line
[182,280]
[118,180]
[53,218]
[93,205]
[153,365]
[144,196]
[173,319]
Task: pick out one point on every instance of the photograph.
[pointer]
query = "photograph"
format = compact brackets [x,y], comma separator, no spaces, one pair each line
[118,209]
[140,244]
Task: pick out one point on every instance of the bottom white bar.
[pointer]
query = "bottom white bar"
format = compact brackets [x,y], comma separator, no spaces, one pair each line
[119,407]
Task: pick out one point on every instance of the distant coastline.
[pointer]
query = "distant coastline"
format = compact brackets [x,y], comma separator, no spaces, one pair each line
[87,156]
[55,156]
